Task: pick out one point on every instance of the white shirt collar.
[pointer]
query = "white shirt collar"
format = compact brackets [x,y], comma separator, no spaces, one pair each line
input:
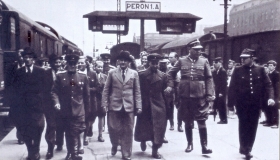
[31,68]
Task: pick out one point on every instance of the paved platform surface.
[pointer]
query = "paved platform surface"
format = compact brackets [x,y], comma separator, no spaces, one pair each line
[223,140]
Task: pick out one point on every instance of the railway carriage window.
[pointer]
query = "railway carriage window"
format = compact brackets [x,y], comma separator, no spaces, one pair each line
[41,46]
[13,33]
[29,37]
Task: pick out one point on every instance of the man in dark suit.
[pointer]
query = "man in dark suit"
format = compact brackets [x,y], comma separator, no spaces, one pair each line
[273,113]
[28,84]
[122,97]
[220,81]
[151,124]
[246,91]
[72,97]
[48,106]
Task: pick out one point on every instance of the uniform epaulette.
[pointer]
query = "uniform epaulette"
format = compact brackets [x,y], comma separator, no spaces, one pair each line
[58,72]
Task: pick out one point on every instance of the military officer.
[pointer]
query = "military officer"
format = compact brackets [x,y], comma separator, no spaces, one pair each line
[246,91]
[195,91]
[71,96]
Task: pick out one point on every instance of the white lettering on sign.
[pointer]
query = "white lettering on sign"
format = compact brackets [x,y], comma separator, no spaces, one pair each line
[112,25]
[142,6]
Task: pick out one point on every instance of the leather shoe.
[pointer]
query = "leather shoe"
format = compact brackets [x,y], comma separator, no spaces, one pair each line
[165,140]
[180,129]
[59,148]
[100,139]
[114,150]
[267,124]
[81,151]
[34,157]
[262,122]
[20,142]
[171,128]
[68,156]
[126,158]
[248,156]
[143,146]
[274,126]
[90,134]
[49,155]
[85,142]
[189,148]
[76,157]
[156,155]
[222,122]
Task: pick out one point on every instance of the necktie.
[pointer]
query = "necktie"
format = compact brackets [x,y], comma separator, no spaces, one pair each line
[28,70]
[123,76]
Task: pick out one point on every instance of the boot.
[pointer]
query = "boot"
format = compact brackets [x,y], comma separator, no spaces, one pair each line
[189,139]
[49,154]
[155,153]
[171,125]
[203,141]
[74,153]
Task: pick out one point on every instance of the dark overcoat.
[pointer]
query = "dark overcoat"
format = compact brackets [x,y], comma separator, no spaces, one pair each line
[93,84]
[220,81]
[151,124]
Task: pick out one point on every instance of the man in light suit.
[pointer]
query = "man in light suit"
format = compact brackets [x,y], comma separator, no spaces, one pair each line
[120,95]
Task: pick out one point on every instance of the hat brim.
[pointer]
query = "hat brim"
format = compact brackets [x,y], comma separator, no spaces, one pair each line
[245,56]
[197,47]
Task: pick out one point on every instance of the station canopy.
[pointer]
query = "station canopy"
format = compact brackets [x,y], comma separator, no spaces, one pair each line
[118,22]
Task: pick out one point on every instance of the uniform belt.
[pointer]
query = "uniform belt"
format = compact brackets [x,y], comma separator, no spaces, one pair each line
[191,78]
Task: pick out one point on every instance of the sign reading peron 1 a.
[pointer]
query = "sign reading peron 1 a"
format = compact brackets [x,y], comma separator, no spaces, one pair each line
[142,6]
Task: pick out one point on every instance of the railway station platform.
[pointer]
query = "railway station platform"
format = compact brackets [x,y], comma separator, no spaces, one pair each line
[222,139]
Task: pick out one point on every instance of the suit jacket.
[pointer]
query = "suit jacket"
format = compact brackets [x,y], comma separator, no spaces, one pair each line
[220,81]
[71,91]
[28,90]
[274,77]
[249,85]
[120,93]
[102,80]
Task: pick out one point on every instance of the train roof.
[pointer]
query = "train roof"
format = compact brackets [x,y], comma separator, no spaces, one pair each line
[156,47]
[27,20]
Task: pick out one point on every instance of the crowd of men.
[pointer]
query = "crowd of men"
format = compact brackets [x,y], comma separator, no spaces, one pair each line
[71,92]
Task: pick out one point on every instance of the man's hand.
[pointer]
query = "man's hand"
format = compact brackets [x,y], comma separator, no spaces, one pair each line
[57,107]
[220,95]
[168,90]
[270,102]
[139,111]
[210,98]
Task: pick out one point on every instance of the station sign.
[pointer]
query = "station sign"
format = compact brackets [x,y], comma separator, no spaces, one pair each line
[175,26]
[109,25]
[142,6]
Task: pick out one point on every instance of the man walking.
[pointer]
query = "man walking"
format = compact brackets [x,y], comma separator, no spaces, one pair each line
[121,97]
[151,124]
[195,91]
[246,91]
[28,84]
[71,96]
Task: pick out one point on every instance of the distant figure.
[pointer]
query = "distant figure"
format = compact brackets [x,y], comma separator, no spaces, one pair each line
[220,81]
[122,98]
[28,84]
[246,92]
[213,36]
[144,63]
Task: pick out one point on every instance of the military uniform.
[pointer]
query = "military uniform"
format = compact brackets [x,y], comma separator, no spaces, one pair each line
[194,89]
[71,91]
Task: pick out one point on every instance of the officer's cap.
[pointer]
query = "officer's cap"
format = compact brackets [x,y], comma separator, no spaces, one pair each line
[195,45]
[125,55]
[154,57]
[105,55]
[72,58]
[53,58]
[89,58]
[246,53]
[272,62]
[218,59]
[28,51]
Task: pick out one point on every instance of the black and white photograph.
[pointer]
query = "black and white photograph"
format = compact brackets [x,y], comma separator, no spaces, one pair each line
[139,79]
